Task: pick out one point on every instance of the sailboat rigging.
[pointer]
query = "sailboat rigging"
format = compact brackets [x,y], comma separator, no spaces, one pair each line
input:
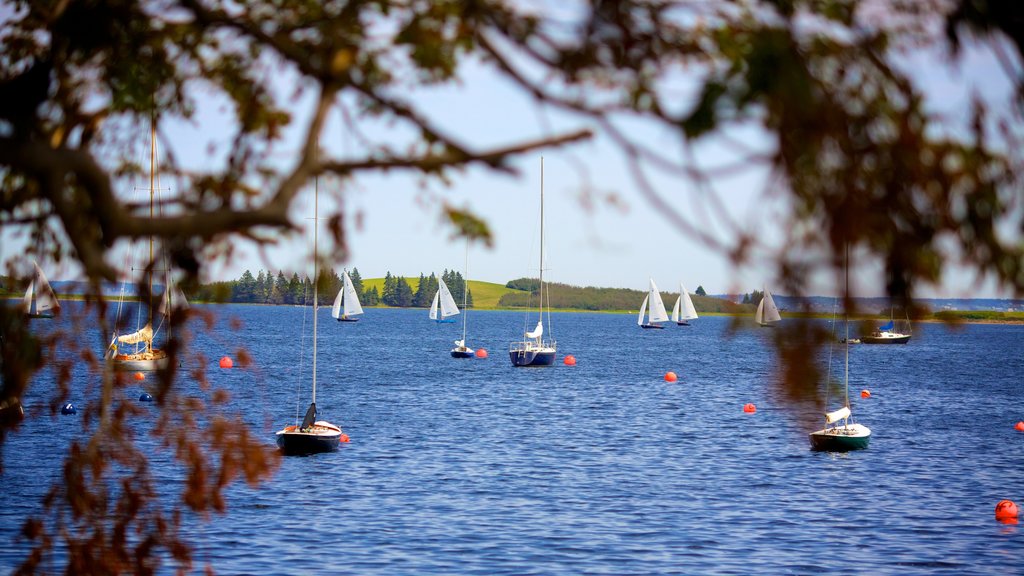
[443,303]
[312,436]
[683,310]
[461,350]
[144,357]
[39,300]
[767,312]
[346,303]
[534,349]
[841,433]
[657,313]
[887,333]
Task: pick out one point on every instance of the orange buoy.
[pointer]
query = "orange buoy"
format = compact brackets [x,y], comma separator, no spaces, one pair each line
[570,360]
[226,362]
[1006,510]
[670,377]
[343,437]
[481,353]
[865,394]
[140,376]
[1019,427]
[749,408]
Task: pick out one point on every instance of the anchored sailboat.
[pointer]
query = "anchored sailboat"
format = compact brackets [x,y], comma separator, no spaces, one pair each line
[841,433]
[657,312]
[313,436]
[887,334]
[767,312]
[533,349]
[461,350]
[39,300]
[443,303]
[683,311]
[346,303]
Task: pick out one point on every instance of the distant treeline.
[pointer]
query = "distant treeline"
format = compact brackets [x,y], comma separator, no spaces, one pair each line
[268,288]
[591,298]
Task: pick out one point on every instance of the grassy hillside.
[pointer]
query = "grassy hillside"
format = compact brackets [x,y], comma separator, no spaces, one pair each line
[566,297]
[485,294]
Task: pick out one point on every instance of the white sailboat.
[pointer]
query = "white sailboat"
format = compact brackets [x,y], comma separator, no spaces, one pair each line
[888,333]
[461,350]
[443,303]
[841,433]
[533,349]
[683,310]
[39,300]
[143,357]
[313,436]
[767,312]
[346,303]
[657,312]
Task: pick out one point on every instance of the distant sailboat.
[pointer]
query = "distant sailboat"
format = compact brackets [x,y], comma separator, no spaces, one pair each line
[657,312]
[443,302]
[533,349]
[683,311]
[39,300]
[346,303]
[767,312]
[313,436]
[841,433]
[461,350]
[144,357]
[887,334]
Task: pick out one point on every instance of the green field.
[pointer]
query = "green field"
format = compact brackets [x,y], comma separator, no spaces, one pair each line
[485,294]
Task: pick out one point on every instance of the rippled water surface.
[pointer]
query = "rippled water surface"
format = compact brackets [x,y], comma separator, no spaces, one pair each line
[474,467]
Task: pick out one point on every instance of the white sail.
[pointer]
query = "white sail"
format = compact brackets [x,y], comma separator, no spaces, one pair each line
[538,331]
[448,307]
[351,301]
[687,311]
[657,312]
[433,305]
[173,298]
[143,335]
[40,292]
[841,414]
[643,310]
[767,311]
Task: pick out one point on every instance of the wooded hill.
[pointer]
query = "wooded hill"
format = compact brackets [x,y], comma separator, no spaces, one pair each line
[564,296]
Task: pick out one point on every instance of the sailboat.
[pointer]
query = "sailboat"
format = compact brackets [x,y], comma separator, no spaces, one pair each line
[461,350]
[346,303]
[443,302]
[887,334]
[683,310]
[40,301]
[657,312]
[841,433]
[144,357]
[533,349]
[767,312]
[313,436]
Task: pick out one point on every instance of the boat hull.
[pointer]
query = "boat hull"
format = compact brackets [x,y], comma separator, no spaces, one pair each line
[445,321]
[524,358]
[40,316]
[157,360]
[840,438]
[462,353]
[682,323]
[344,319]
[885,339]
[320,438]
[652,326]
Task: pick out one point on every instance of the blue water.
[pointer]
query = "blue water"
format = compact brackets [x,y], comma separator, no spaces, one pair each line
[473,467]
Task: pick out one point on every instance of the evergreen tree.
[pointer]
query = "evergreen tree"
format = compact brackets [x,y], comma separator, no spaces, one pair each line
[403,293]
[357,280]
[700,291]
[469,298]
[295,287]
[279,295]
[245,288]
[371,297]
[388,295]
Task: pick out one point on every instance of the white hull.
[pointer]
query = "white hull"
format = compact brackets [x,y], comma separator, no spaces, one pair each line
[140,362]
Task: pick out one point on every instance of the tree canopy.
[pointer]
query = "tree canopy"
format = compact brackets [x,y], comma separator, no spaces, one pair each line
[853,150]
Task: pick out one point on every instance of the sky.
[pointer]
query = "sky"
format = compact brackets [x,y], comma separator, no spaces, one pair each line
[395,220]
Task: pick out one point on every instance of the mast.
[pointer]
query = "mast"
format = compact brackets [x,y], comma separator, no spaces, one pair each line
[316,214]
[846,337]
[152,192]
[465,295]
[540,307]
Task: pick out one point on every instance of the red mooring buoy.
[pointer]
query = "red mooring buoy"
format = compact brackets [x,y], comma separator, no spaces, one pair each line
[1006,510]
[343,437]
[226,362]
[140,376]
[749,408]
[1019,427]
[865,394]
[670,377]
[570,360]
[481,353]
